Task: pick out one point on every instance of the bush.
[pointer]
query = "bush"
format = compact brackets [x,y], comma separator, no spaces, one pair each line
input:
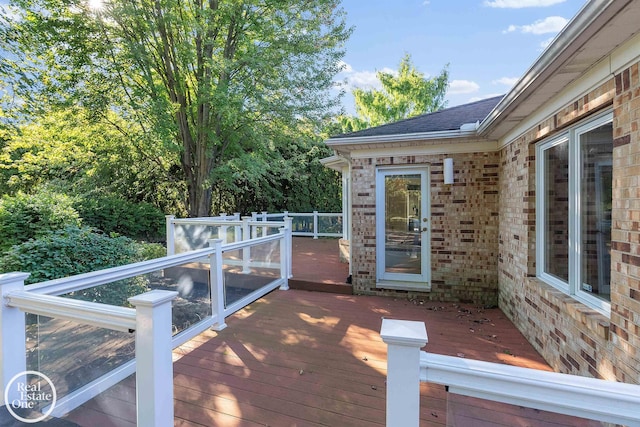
[114,215]
[76,250]
[24,216]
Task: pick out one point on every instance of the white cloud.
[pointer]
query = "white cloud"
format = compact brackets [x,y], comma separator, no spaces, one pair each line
[518,4]
[551,24]
[463,86]
[507,81]
[361,79]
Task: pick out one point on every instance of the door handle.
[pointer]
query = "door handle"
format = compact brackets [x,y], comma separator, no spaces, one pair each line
[424,228]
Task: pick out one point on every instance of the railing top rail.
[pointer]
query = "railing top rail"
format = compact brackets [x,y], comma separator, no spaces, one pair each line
[252,242]
[113,274]
[101,315]
[271,215]
[227,223]
[205,220]
[591,398]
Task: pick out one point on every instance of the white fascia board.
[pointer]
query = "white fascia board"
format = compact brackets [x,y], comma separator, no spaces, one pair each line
[345,143]
[337,163]
[428,150]
[554,52]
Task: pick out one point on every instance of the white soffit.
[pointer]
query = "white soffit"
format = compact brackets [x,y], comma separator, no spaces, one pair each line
[590,37]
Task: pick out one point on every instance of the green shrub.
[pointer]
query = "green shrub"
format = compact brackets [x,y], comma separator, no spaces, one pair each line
[115,215]
[25,216]
[151,251]
[76,250]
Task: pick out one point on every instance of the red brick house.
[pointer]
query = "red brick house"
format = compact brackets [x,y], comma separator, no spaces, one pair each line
[530,201]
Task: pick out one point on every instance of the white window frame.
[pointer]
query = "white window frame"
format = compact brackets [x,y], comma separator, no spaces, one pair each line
[573,287]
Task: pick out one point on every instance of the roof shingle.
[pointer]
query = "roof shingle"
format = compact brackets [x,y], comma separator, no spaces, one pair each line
[444,120]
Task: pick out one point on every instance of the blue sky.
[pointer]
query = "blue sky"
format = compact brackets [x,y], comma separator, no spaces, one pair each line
[488,44]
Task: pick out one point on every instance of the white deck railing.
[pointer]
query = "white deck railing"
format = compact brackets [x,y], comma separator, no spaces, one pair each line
[188,234]
[150,319]
[572,395]
[314,224]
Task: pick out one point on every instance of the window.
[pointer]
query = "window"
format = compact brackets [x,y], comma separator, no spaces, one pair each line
[573,223]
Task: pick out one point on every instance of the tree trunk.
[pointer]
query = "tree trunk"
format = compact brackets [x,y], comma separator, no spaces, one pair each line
[199,200]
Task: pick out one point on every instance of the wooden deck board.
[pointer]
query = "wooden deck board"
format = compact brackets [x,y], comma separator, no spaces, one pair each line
[300,358]
[297,358]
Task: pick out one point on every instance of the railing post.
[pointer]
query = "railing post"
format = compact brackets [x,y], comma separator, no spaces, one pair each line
[237,231]
[404,339]
[246,252]
[12,334]
[222,234]
[216,277]
[285,259]
[154,364]
[289,227]
[254,216]
[315,224]
[171,240]
[264,219]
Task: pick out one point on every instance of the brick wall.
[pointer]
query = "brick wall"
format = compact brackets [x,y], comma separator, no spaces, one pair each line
[625,238]
[464,227]
[572,337]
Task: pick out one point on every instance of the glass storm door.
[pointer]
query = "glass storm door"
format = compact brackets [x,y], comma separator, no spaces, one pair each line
[402,227]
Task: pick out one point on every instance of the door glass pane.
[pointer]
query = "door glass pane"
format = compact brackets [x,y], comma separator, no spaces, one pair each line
[556,210]
[596,153]
[402,224]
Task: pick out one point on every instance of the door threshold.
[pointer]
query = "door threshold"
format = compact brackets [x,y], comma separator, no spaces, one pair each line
[404,286]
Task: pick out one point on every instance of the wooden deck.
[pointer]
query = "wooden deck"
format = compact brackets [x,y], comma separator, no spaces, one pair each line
[300,358]
[317,267]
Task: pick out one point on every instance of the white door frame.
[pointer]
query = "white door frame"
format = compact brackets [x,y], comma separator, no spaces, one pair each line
[389,280]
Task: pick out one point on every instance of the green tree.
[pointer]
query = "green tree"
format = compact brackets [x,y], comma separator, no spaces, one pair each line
[407,94]
[208,80]
[68,151]
[288,176]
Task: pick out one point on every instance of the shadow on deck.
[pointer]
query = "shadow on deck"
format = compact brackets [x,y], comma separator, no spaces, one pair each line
[298,358]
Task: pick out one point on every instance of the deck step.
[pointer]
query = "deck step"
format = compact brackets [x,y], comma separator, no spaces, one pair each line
[335,288]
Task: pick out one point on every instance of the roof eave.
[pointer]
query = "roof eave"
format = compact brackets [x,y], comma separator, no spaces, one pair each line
[381,139]
[562,47]
[336,162]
